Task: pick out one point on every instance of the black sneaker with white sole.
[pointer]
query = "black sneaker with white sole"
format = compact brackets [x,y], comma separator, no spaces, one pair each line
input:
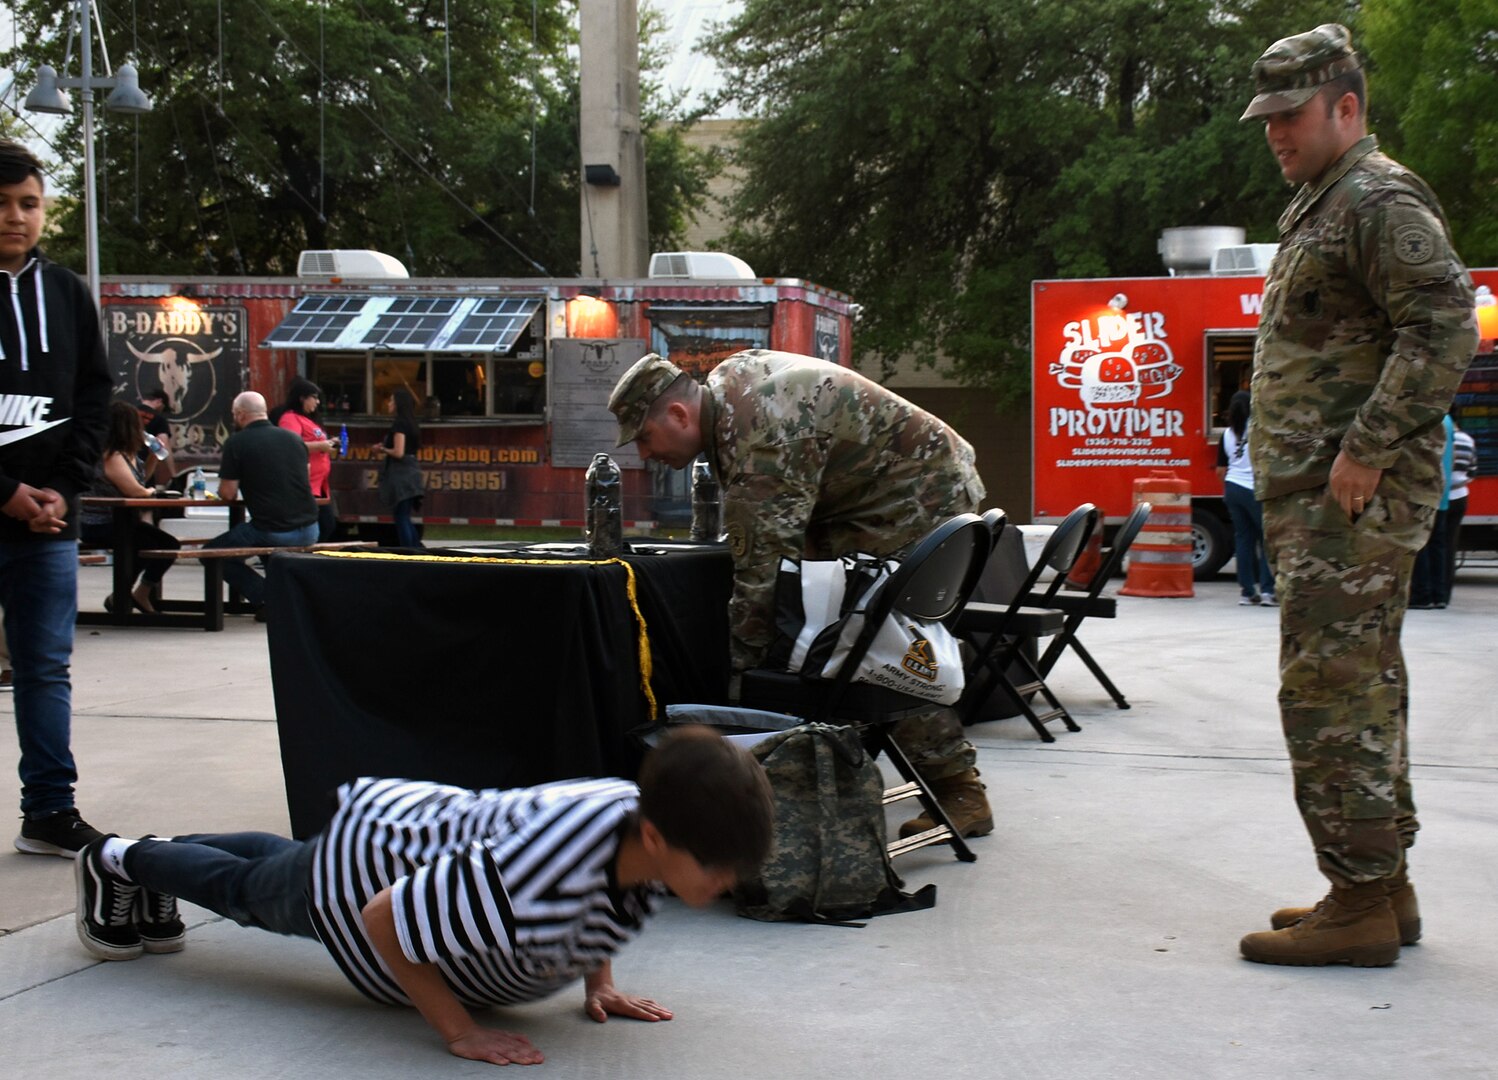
[158,924]
[62,832]
[106,907]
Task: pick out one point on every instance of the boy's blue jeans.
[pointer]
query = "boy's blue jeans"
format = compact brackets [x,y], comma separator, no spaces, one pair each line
[256,879]
[39,593]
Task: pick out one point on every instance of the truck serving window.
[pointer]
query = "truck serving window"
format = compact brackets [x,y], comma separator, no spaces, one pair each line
[1230,361]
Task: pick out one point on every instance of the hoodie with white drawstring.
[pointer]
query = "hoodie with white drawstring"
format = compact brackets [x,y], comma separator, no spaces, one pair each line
[54,388]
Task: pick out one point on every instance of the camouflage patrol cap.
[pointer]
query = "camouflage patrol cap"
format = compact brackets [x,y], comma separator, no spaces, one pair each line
[637,389]
[1293,69]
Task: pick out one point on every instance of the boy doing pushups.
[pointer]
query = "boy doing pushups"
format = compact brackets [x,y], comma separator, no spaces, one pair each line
[449,899]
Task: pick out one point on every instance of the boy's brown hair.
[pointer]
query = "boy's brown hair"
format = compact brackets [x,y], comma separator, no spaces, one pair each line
[17,163]
[709,798]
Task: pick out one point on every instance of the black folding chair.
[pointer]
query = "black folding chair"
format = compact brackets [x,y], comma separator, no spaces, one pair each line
[932,584]
[1092,604]
[1000,633]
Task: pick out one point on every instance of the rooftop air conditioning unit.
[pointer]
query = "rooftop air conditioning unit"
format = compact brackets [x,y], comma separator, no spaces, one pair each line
[349,264]
[1243,259]
[1188,249]
[699,265]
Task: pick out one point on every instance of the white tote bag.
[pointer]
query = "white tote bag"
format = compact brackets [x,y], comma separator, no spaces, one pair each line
[820,608]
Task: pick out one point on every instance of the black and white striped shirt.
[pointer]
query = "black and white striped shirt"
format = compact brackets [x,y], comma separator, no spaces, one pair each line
[512,894]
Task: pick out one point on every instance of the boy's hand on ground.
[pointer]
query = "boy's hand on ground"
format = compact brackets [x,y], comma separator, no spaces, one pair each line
[495,1047]
[607,1001]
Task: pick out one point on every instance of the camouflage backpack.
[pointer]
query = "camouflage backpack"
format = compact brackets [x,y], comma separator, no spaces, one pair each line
[831,861]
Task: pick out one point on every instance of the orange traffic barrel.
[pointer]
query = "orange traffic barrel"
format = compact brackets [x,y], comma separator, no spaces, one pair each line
[1160,558]
[1088,563]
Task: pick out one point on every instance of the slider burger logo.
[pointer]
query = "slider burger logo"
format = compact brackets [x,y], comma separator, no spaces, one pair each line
[1117,360]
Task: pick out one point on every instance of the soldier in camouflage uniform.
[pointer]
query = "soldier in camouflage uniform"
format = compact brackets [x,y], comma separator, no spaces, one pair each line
[1367,326]
[814,461]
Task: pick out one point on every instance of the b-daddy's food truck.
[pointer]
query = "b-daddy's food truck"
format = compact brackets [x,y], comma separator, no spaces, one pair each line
[1133,375]
[511,376]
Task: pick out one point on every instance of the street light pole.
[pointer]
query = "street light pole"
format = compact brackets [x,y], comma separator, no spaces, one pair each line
[90,181]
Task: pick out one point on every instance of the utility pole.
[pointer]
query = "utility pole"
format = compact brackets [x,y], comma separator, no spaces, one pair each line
[615,238]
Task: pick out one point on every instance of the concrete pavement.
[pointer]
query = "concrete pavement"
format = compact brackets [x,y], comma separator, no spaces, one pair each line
[1096,936]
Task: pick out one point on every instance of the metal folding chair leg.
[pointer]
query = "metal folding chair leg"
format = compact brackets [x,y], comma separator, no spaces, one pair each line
[1060,643]
[916,788]
[1101,676]
[997,664]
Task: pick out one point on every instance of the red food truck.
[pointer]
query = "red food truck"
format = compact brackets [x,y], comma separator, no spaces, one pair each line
[1134,375]
[511,376]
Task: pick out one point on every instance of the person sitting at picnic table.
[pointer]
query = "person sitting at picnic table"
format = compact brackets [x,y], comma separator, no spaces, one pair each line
[119,474]
[448,899]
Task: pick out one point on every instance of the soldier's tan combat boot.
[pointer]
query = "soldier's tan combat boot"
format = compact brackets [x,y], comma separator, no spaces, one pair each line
[962,797]
[1354,925]
[1401,898]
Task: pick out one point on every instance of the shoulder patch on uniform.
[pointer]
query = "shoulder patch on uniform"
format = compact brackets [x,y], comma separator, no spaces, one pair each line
[738,540]
[1414,243]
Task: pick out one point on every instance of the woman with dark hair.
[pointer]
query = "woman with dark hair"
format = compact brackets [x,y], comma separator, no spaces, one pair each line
[299,416]
[1237,476]
[401,485]
[119,474]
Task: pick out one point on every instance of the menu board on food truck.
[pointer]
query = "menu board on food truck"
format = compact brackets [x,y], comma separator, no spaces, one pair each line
[582,374]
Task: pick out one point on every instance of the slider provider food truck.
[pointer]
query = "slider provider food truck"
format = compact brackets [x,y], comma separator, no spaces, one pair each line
[1134,375]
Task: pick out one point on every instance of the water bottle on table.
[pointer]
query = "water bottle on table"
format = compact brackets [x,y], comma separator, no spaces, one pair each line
[604,510]
[707,505]
[198,488]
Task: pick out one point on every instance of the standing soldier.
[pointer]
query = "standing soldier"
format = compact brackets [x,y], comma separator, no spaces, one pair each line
[1366,329]
[814,461]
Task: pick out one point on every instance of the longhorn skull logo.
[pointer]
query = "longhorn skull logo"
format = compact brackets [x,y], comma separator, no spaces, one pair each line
[176,360]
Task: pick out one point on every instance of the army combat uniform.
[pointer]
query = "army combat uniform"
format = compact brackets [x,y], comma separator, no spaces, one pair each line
[816,461]
[1366,329]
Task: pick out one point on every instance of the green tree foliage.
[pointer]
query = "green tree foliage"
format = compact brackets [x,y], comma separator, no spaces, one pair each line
[933,157]
[281,125]
[1433,99]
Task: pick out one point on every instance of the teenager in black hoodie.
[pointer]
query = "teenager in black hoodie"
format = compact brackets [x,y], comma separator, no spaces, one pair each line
[54,390]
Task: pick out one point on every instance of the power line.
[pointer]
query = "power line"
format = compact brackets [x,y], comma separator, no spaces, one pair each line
[419,82]
[412,158]
[223,195]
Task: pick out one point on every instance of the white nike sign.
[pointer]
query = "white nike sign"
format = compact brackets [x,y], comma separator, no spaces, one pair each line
[17,434]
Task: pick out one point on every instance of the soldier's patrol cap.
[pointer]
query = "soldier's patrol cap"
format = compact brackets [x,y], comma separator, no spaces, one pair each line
[637,390]
[1293,69]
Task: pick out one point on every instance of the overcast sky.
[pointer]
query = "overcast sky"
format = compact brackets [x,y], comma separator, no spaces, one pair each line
[688,21]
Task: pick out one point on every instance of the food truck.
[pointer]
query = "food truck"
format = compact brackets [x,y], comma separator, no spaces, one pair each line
[511,376]
[1133,375]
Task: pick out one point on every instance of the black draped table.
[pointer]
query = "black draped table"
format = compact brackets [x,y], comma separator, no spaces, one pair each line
[504,669]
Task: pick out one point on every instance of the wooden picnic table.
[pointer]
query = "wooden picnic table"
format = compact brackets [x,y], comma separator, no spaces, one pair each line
[169,612]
